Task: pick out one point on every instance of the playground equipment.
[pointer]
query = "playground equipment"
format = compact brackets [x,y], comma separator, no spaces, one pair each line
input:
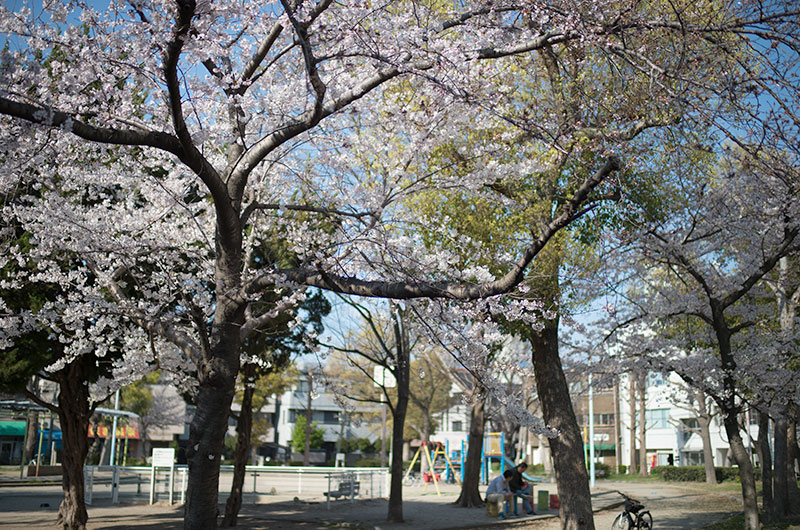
[437,460]
[493,448]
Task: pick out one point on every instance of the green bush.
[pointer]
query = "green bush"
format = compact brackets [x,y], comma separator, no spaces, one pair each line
[367,462]
[535,469]
[602,470]
[694,473]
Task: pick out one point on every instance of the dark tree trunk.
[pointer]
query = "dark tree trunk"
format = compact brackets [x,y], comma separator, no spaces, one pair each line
[74,412]
[402,376]
[31,440]
[768,504]
[792,456]
[746,475]
[567,448]
[217,379]
[470,488]
[244,429]
[780,507]
[632,413]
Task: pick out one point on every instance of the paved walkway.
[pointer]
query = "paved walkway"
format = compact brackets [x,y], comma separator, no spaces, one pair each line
[672,507]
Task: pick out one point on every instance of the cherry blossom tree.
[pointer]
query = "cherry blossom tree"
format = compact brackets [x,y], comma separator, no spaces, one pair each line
[167,139]
[707,261]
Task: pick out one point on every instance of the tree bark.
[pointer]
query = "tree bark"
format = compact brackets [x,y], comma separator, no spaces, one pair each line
[746,475]
[402,374]
[74,412]
[309,416]
[632,413]
[781,497]
[792,456]
[641,389]
[769,503]
[217,378]
[704,421]
[244,429]
[470,495]
[572,479]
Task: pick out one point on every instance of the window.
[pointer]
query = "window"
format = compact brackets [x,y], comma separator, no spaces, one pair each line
[655,379]
[657,418]
[604,419]
[457,426]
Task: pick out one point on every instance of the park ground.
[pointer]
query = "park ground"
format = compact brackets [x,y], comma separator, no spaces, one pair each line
[673,506]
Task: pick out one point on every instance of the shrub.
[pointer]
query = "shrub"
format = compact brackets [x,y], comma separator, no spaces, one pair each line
[694,473]
[602,470]
[368,462]
[535,469]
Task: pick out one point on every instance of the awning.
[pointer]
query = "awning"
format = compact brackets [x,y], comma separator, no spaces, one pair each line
[602,447]
[12,428]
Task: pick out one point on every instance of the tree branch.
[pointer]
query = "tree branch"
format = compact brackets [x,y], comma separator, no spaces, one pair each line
[451,290]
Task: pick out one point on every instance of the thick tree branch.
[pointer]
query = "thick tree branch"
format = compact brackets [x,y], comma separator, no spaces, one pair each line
[453,290]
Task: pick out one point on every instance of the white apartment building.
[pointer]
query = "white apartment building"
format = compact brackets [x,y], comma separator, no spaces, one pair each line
[671,435]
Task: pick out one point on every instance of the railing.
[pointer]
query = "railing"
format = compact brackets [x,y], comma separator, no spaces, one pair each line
[261,482]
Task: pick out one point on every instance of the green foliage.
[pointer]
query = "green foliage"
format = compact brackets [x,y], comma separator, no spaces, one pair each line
[360,444]
[316,437]
[368,462]
[694,473]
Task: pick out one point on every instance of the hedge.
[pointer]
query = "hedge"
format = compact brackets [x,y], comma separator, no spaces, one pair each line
[694,473]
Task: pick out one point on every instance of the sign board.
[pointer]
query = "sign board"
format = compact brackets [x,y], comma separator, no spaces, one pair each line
[123,431]
[163,457]
[383,377]
[601,437]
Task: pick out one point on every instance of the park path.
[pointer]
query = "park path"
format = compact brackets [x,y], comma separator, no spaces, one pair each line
[673,507]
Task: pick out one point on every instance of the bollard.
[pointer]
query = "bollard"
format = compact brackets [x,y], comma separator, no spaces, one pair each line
[543,500]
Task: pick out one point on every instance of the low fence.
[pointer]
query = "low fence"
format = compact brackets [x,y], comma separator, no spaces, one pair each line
[261,483]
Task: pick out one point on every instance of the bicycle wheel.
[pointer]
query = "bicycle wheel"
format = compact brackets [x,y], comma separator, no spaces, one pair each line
[621,522]
[644,521]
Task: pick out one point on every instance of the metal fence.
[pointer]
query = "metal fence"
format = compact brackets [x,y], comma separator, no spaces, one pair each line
[262,483]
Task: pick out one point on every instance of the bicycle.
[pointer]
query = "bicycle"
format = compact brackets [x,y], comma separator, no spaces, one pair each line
[411,479]
[633,516]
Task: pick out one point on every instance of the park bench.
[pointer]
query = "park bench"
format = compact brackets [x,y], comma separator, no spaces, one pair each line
[345,489]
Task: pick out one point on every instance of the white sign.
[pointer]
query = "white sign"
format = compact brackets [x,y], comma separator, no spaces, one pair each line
[383,377]
[163,457]
[601,437]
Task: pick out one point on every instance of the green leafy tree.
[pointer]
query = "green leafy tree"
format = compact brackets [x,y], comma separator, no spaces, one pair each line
[316,439]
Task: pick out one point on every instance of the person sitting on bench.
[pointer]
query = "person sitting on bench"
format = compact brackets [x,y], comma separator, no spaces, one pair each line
[499,492]
[522,489]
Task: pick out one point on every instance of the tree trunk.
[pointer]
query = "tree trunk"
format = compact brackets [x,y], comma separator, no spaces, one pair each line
[309,416]
[704,421]
[632,413]
[217,378]
[31,440]
[470,495]
[770,505]
[74,412]
[746,475]
[641,390]
[425,435]
[792,455]
[567,448]
[402,375]
[244,428]
[781,496]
